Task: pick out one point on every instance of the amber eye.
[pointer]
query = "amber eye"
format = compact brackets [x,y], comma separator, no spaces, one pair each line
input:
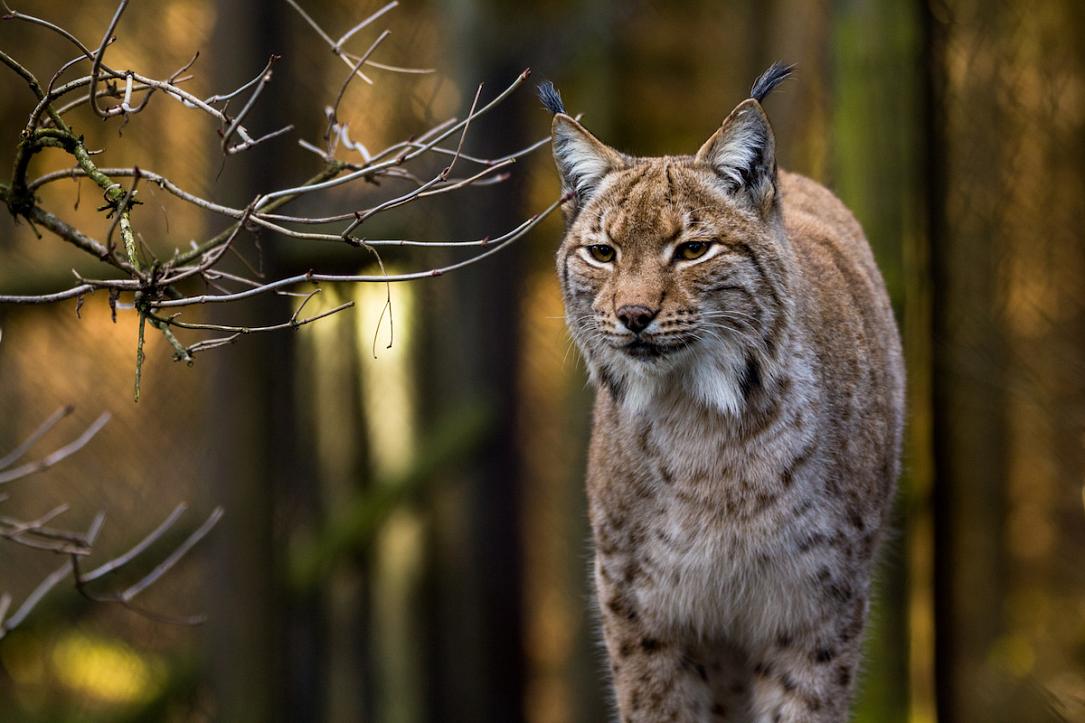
[602,253]
[691,250]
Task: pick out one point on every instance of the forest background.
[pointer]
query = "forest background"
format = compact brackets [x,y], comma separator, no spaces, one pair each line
[404,535]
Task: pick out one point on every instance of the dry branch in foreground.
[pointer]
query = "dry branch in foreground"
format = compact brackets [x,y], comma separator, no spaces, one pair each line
[74,546]
[160,284]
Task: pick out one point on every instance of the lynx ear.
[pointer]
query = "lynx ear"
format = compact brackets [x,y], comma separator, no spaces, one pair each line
[743,154]
[582,160]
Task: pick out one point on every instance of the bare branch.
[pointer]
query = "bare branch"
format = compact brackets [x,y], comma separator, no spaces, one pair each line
[336,46]
[16,454]
[245,145]
[163,567]
[312,23]
[155,178]
[235,124]
[496,245]
[53,458]
[137,549]
[14,15]
[333,115]
[237,331]
[96,67]
[5,604]
[395,68]
[34,598]
[463,134]
[213,343]
[156,284]
[411,153]
[350,33]
[37,535]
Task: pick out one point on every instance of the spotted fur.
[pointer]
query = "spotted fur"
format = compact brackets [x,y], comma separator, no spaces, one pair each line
[745,442]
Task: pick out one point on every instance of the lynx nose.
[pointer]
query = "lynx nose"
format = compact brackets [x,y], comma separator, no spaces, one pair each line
[636,318]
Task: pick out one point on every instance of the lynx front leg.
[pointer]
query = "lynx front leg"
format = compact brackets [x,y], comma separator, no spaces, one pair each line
[808,677]
[655,678]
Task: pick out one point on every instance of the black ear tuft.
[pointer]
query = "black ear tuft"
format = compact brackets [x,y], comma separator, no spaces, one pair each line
[767,81]
[551,98]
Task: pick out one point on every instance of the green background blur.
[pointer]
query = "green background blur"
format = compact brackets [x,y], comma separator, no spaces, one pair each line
[405,537]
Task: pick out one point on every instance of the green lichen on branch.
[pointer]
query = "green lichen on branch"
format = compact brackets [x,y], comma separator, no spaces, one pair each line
[180,351]
[139,355]
[21,202]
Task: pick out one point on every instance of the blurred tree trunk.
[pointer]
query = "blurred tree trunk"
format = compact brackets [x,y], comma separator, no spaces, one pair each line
[966,194]
[268,652]
[874,167]
[476,670]
[331,369]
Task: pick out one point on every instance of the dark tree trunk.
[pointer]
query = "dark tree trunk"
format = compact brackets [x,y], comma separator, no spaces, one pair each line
[474,316]
[963,145]
[268,648]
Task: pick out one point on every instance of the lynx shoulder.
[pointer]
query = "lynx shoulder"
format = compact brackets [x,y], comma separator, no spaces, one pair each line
[747,426]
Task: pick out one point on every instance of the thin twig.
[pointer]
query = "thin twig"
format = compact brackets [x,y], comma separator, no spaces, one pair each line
[139,356]
[333,115]
[36,534]
[496,245]
[350,33]
[96,67]
[235,124]
[16,454]
[292,324]
[403,157]
[53,458]
[163,567]
[136,550]
[34,598]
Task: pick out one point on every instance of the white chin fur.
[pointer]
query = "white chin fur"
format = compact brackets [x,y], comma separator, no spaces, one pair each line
[718,383]
[710,376]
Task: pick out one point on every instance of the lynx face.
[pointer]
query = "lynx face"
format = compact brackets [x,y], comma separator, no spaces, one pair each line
[673,268]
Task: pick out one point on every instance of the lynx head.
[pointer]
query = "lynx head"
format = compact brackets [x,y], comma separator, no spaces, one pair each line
[674,269]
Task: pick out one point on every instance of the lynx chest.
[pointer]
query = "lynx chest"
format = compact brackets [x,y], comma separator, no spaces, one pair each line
[709,535]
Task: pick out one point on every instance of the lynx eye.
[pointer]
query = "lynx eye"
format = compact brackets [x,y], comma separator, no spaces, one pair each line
[602,253]
[691,250]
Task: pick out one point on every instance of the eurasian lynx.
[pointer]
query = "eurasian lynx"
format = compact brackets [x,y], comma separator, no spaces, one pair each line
[748,416]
